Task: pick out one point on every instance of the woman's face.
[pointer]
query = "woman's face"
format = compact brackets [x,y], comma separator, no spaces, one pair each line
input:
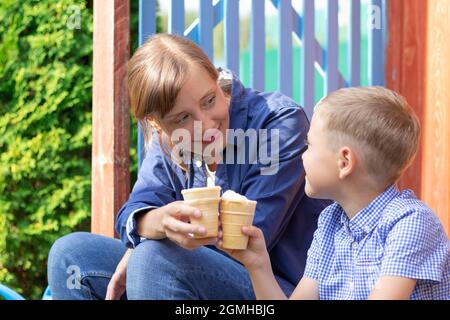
[200,114]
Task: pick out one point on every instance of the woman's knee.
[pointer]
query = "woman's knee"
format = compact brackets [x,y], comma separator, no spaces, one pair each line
[159,257]
[154,266]
[151,252]
[64,247]
[60,261]
[82,255]
[167,248]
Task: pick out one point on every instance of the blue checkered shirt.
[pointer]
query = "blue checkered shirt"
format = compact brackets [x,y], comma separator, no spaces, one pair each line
[395,235]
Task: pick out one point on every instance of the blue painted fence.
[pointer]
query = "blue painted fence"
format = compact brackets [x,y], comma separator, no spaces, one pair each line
[314,55]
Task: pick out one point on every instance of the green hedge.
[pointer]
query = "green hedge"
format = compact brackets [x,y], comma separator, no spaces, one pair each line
[45,133]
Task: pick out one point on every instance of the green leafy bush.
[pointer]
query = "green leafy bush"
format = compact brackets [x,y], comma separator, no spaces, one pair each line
[45,133]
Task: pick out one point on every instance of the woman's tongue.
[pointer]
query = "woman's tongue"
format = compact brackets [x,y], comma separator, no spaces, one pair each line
[209,140]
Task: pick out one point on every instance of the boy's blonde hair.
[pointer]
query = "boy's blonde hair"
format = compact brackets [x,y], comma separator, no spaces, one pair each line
[378,123]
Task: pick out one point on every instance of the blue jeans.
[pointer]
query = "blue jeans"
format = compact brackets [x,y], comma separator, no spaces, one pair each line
[81,264]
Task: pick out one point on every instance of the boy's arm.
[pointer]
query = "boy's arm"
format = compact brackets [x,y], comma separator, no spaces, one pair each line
[265,285]
[393,288]
[416,248]
[307,289]
[257,261]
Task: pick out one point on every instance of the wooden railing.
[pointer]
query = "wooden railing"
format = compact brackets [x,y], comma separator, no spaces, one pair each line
[302,24]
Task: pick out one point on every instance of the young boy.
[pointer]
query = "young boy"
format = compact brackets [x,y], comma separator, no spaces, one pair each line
[374,242]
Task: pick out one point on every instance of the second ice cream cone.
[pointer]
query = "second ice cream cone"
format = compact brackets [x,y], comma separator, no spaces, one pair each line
[234,214]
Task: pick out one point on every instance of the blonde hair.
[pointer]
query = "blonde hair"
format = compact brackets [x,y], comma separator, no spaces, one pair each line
[157,72]
[379,123]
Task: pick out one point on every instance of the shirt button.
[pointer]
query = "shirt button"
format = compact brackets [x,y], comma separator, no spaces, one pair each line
[198,163]
[354,245]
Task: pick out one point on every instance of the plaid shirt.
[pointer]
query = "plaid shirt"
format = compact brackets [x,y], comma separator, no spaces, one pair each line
[395,235]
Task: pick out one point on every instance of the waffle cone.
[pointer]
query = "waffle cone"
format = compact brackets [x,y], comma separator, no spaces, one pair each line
[233,215]
[201,193]
[209,218]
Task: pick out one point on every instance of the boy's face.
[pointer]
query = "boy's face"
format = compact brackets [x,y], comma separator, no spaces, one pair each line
[320,161]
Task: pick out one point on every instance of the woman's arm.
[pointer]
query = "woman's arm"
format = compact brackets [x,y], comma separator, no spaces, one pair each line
[117,284]
[172,221]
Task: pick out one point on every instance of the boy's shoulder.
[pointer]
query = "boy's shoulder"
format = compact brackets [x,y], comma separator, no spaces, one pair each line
[406,204]
[406,209]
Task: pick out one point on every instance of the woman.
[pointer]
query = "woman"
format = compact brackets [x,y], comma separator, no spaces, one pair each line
[194,118]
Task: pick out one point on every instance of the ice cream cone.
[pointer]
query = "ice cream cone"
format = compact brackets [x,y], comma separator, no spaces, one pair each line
[235,242]
[240,206]
[234,214]
[201,193]
[207,201]
[209,218]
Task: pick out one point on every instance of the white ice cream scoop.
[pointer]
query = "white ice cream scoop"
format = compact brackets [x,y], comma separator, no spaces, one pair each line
[231,195]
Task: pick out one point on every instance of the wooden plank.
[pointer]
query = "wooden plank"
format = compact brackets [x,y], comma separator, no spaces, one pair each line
[376,46]
[436,127]
[111,123]
[258,45]
[319,52]
[147,27]
[307,64]
[193,31]
[418,68]
[231,35]
[176,17]
[206,27]
[285,47]
[354,43]
[405,68]
[332,52]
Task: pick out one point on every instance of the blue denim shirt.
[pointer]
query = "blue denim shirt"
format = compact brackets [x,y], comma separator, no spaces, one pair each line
[287,217]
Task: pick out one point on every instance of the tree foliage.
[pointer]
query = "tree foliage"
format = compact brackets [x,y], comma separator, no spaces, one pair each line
[45,133]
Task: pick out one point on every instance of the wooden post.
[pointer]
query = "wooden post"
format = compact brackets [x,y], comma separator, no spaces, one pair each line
[418,67]
[436,130]
[405,65]
[111,123]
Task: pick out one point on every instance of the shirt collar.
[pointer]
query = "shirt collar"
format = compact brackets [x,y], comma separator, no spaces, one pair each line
[367,219]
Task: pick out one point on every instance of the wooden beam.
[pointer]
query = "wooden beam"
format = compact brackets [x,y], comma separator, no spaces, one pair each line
[436,129]
[111,123]
[418,67]
[405,68]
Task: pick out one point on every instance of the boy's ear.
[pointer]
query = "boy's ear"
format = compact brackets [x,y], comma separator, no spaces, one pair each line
[346,162]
